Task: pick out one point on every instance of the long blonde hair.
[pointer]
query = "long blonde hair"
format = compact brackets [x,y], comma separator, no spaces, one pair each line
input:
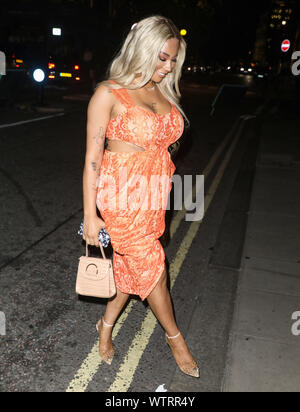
[138,56]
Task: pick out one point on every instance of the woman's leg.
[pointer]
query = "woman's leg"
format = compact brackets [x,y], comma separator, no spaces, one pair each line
[160,303]
[112,311]
[114,306]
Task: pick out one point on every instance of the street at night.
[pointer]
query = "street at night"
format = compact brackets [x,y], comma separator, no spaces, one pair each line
[233,274]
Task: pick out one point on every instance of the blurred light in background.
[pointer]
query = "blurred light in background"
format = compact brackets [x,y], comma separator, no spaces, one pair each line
[56,31]
[39,75]
[2,64]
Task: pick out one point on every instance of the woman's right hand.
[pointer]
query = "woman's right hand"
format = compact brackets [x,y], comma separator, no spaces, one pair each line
[91,229]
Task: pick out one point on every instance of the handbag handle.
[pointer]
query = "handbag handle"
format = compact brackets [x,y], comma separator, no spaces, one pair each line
[101,247]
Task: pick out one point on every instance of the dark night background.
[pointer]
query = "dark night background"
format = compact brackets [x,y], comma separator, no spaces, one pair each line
[218,31]
[237,270]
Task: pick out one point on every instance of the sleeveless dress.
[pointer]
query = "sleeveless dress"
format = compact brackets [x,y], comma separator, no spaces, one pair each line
[132,192]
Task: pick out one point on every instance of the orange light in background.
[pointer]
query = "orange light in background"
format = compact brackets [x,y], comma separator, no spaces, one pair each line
[51,66]
[76,67]
[77,78]
[51,77]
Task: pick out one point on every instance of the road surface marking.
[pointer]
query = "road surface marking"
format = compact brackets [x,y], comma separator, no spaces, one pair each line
[207,171]
[139,343]
[4,126]
[123,379]
[92,362]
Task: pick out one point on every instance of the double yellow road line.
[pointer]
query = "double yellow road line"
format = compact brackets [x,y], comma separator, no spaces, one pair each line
[139,343]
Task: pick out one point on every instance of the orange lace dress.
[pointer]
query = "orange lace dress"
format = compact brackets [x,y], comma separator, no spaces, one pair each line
[132,192]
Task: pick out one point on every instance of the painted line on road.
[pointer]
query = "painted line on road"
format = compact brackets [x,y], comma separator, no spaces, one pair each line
[4,126]
[91,364]
[126,372]
[127,369]
[178,218]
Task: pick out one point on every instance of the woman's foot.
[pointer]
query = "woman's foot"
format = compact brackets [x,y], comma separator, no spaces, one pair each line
[182,355]
[106,349]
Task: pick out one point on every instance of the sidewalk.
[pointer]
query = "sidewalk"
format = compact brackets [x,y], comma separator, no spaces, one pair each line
[263,354]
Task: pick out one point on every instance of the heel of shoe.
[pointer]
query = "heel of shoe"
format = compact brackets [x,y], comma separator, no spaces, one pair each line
[188,369]
[107,358]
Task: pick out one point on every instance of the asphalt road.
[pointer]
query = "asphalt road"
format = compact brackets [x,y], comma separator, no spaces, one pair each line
[50,332]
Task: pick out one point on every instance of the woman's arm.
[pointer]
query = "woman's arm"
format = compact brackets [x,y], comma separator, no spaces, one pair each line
[98,116]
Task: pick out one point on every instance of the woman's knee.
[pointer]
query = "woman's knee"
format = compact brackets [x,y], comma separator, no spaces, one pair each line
[163,277]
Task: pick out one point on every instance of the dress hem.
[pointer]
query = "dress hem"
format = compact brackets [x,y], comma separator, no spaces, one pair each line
[152,286]
[147,293]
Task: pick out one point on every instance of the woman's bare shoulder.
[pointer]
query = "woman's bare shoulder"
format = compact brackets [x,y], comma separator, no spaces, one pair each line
[103,89]
[102,96]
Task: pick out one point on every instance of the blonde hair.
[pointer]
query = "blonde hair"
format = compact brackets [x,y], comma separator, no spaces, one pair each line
[138,56]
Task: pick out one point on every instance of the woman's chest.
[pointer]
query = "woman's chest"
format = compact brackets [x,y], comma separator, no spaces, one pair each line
[145,128]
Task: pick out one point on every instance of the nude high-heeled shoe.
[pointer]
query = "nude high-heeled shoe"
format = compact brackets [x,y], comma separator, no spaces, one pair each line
[189,368]
[106,356]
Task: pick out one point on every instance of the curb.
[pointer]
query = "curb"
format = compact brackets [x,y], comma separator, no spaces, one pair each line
[41,109]
[234,223]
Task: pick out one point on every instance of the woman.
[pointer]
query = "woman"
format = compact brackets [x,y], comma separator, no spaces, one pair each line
[137,110]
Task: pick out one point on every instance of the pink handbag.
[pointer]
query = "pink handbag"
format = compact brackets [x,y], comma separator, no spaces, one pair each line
[95,276]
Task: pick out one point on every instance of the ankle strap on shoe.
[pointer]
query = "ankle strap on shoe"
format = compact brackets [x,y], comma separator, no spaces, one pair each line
[172,337]
[106,324]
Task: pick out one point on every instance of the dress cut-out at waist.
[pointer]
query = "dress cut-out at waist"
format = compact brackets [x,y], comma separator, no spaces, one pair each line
[129,147]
